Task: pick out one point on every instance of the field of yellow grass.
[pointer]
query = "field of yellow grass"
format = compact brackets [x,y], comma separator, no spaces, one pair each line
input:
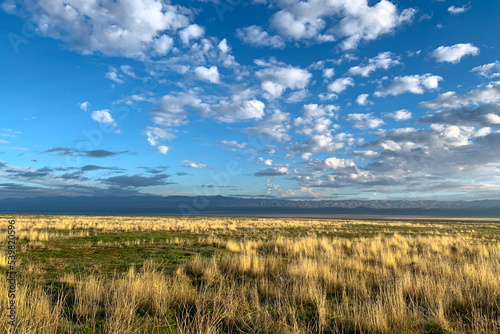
[82,274]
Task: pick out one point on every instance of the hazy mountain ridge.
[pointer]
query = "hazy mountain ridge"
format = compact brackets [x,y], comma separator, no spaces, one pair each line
[185,205]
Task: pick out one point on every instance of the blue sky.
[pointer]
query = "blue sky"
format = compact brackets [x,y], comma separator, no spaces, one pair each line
[281,98]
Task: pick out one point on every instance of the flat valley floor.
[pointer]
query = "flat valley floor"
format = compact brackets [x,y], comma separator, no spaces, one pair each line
[113,274]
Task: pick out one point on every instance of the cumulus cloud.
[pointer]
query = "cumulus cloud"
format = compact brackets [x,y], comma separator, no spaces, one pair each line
[194,164]
[113,75]
[453,54]
[156,134]
[162,149]
[316,119]
[441,153]
[353,22]
[332,163]
[104,117]
[491,70]
[486,115]
[232,112]
[191,32]
[223,46]
[163,45]
[382,60]
[365,121]
[399,115]
[171,109]
[208,74]
[274,127]
[256,36]
[275,80]
[341,84]
[317,143]
[416,84]
[275,171]
[84,105]
[267,162]
[328,73]
[362,99]
[232,145]
[317,124]
[486,94]
[130,28]
[458,10]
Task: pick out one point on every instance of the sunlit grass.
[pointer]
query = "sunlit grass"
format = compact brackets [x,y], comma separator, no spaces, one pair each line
[244,275]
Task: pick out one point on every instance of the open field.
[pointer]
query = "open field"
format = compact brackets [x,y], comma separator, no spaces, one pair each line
[91,274]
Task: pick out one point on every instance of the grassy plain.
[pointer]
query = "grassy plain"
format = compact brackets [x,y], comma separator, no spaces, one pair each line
[92,274]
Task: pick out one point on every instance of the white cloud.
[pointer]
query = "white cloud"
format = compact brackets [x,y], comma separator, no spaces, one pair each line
[341,84]
[156,134]
[365,121]
[487,94]
[355,21]
[132,99]
[399,115]
[223,46]
[274,171]
[84,105]
[129,28]
[233,112]
[317,124]
[103,116]
[267,162]
[316,119]
[416,84]
[113,75]
[362,99]
[163,45]
[368,154]
[491,70]
[327,96]
[256,36]
[458,10]
[162,149]
[275,127]
[382,60]
[328,73]
[297,96]
[232,145]
[433,159]
[208,74]
[275,80]
[486,115]
[171,109]
[127,69]
[453,54]
[335,163]
[194,164]
[193,31]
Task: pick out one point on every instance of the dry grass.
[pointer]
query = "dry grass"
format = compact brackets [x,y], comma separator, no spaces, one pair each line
[82,224]
[37,312]
[389,283]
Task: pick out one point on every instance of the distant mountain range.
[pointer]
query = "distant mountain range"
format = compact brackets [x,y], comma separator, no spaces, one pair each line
[220,205]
